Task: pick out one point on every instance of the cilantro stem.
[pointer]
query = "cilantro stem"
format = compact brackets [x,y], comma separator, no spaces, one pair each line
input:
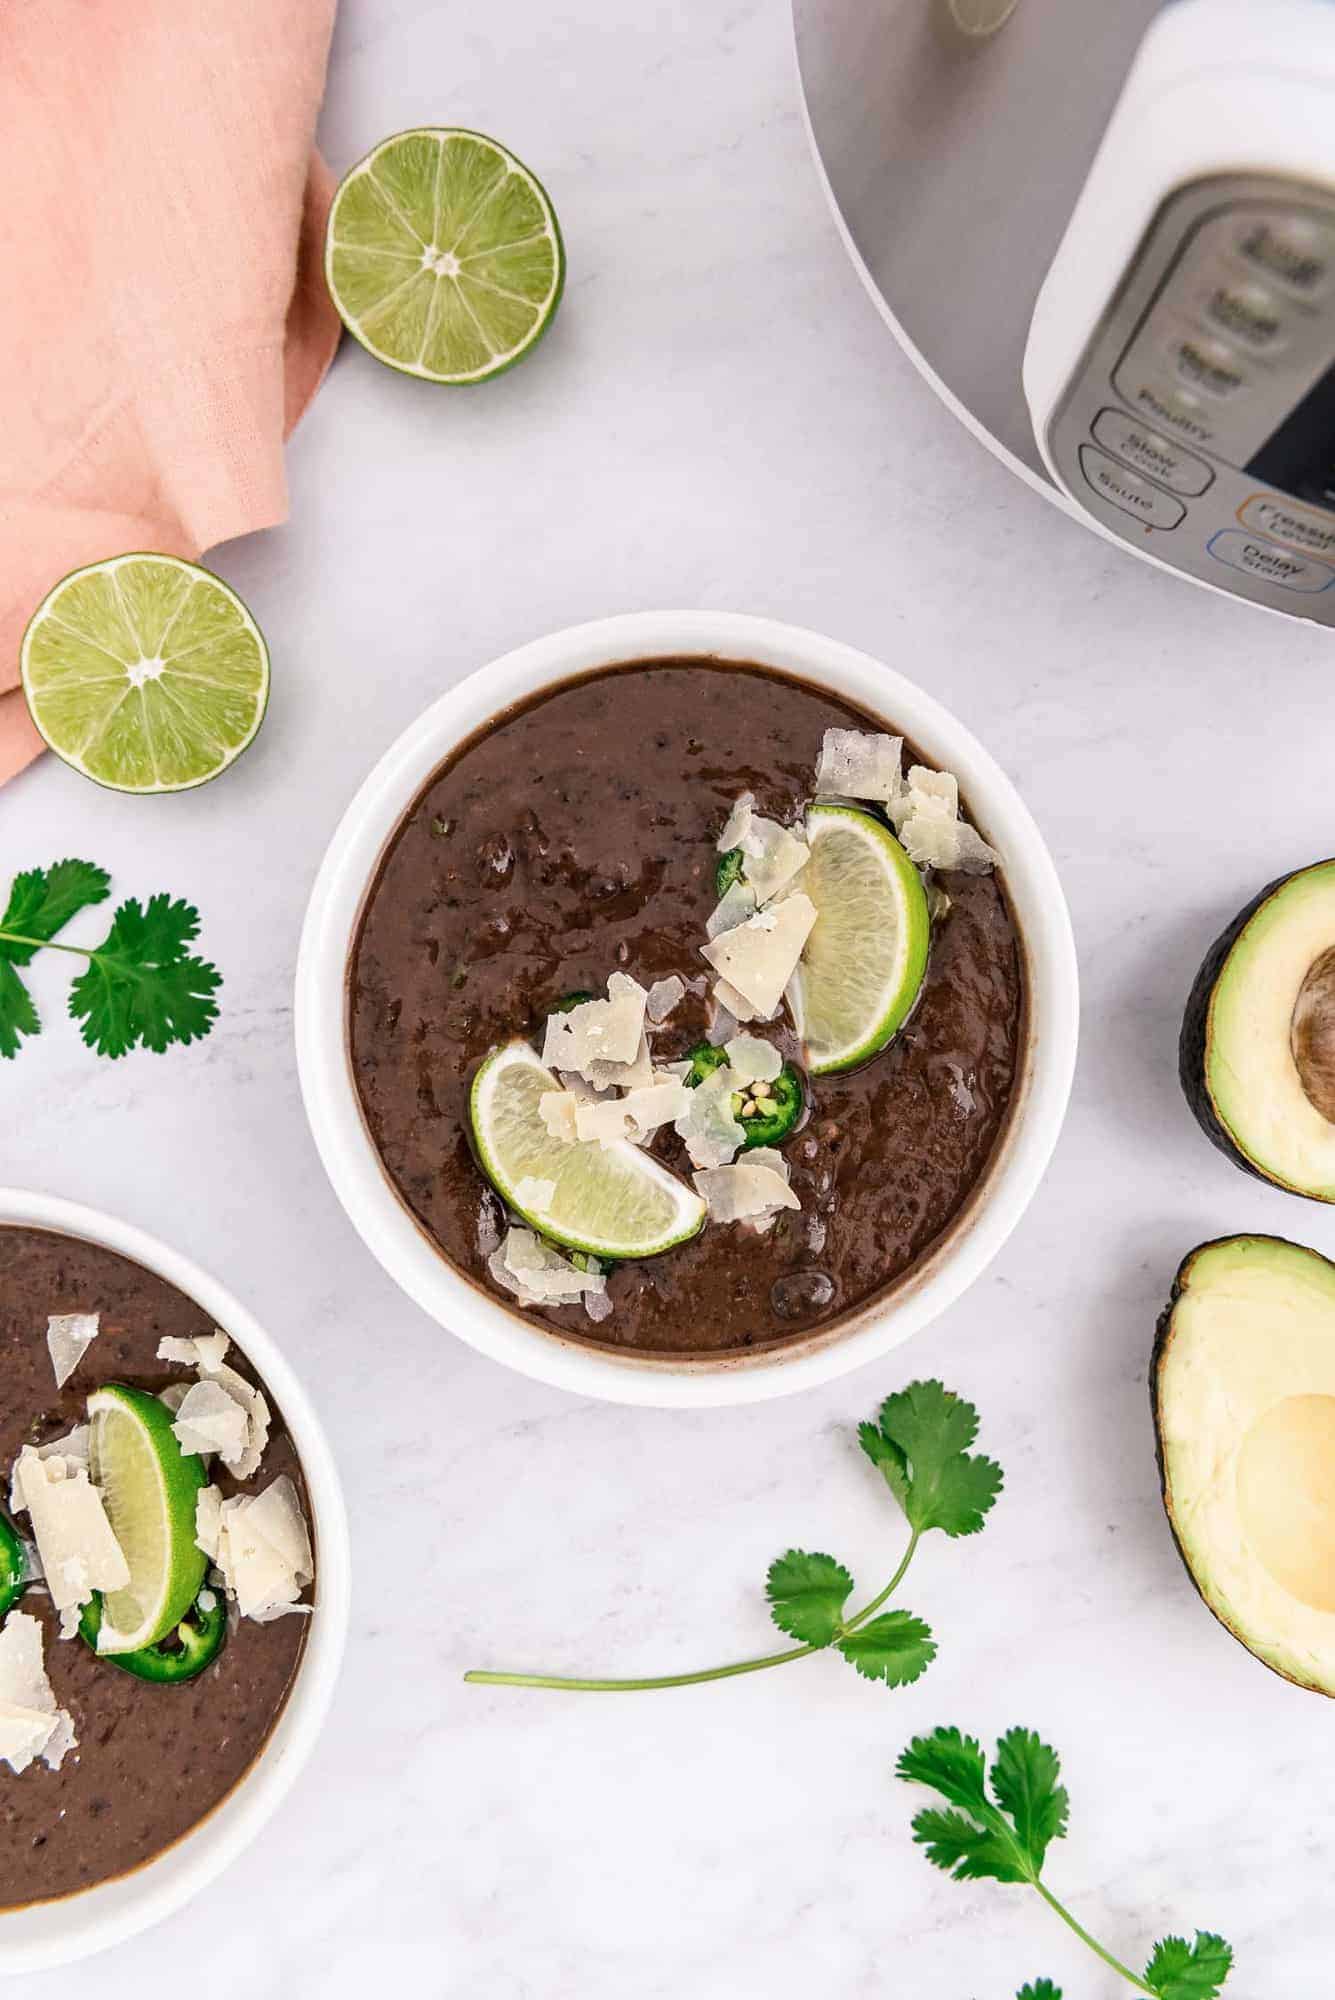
[1098,1950]
[48,944]
[480,1678]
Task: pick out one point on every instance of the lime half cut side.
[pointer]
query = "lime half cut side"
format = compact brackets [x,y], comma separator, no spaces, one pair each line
[443,255]
[866,958]
[149,1487]
[609,1201]
[146,673]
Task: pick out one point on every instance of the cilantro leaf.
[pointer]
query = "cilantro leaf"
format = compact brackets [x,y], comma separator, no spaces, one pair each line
[18,1016]
[895,1648]
[807,1594]
[920,1447]
[1039,1989]
[1181,1971]
[1025,1784]
[140,986]
[42,901]
[967,1851]
[950,1763]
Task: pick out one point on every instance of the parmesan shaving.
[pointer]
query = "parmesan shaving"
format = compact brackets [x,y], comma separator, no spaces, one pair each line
[73,1447]
[757,959]
[534,1193]
[557,1110]
[752,1060]
[664,995]
[633,1116]
[712,1135]
[932,833]
[78,1552]
[856,764]
[624,1076]
[262,1548]
[737,826]
[735,905]
[749,1191]
[207,1351]
[775,857]
[247,1461]
[31,1724]
[598,1031]
[68,1338]
[536,1274]
[211,1419]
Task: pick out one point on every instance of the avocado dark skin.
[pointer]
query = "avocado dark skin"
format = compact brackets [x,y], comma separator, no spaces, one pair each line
[1194,1039]
[1163,1334]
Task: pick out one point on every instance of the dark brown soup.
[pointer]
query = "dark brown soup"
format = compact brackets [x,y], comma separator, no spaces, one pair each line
[575,836]
[151,1760]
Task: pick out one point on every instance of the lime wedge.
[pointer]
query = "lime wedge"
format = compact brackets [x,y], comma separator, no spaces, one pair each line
[866,958]
[146,673]
[609,1201]
[443,255]
[148,1486]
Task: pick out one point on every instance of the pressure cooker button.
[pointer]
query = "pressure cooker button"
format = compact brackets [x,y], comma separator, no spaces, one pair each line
[1148,451]
[1208,365]
[1269,562]
[1130,495]
[1248,313]
[1286,523]
[1297,250]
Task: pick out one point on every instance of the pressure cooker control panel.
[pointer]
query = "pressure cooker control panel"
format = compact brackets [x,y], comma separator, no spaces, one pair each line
[1200,425]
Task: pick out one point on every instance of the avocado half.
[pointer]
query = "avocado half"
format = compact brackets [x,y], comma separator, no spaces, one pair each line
[1243,1389]
[1257,1053]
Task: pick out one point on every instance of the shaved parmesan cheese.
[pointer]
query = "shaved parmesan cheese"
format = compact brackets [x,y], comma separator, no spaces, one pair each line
[758,957]
[174,1395]
[535,1193]
[538,1275]
[745,1191]
[775,855]
[735,905]
[856,764]
[31,1725]
[207,1351]
[211,1419]
[711,1133]
[597,1305]
[79,1553]
[633,1116]
[247,1461]
[263,1549]
[624,1076]
[557,1109]
[664,995]
[208,1520]
[737,826]
[608,1030]
[933,834]
[723,1021]
[68,1338]
[73,1447]
[753,1061]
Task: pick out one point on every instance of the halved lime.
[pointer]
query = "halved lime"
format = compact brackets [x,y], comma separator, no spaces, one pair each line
[866,957]
[609,1201]
[443,255]
[149,1488]
[145,672]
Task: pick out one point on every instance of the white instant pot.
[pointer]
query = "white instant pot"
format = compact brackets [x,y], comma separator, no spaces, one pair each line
[1105,233]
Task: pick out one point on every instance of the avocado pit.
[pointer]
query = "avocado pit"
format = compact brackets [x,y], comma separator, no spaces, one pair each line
[1312,1034]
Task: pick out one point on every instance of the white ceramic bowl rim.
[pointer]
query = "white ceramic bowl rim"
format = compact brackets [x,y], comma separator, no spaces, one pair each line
[55,1933]
[330,1094]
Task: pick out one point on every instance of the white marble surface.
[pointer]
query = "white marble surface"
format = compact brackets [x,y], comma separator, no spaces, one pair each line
[718,419]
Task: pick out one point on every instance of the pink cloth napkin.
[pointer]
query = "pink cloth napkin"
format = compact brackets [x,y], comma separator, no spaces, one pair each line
[166,320]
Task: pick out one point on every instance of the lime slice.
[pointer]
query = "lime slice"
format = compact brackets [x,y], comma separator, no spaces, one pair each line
[609,1201]
[148,1486]
[146,673]
[866,957]
[443,256]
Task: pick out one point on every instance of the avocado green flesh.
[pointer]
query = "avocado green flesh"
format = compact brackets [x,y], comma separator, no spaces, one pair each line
[1253,1083]
[1243,1384]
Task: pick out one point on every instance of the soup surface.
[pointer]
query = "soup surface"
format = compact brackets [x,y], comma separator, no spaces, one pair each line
[575,837]
[151,1760]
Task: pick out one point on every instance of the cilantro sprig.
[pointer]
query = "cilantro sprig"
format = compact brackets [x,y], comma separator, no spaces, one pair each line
[1005,1834]
[920,1444]
[140,987]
